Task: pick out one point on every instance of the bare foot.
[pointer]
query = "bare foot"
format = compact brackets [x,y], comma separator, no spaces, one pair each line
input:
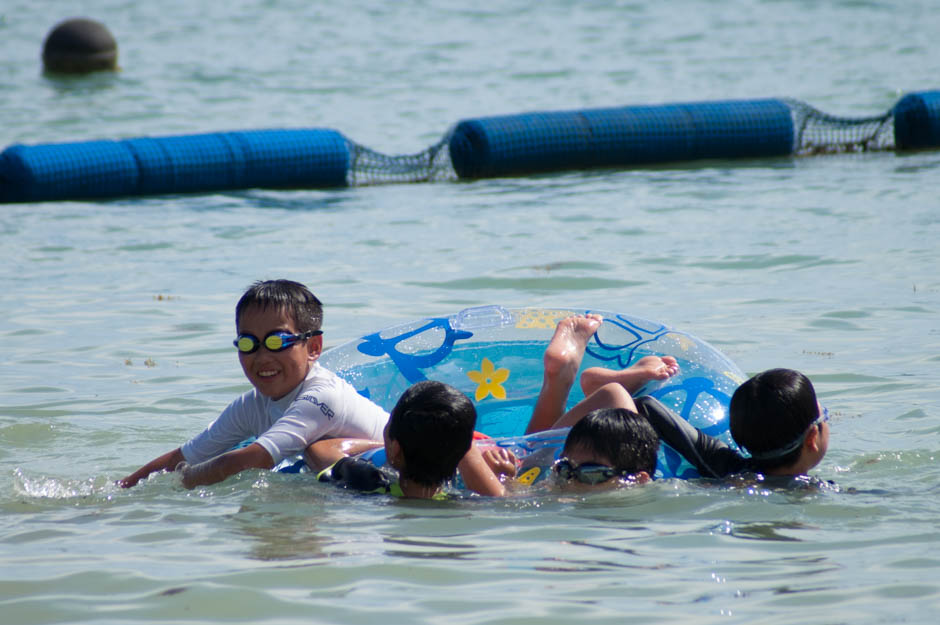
[566,349]
[562,360]
[633,377]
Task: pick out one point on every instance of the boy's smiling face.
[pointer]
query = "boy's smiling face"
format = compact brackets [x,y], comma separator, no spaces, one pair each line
[275,374]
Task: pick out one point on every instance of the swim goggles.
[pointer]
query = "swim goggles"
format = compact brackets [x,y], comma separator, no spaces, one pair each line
[276,341]
[791,447]
[585,473]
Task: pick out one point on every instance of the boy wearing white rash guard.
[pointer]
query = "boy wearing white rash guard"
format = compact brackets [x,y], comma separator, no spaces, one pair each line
[295,401]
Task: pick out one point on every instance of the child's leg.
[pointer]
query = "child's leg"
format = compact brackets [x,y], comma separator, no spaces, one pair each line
[633,377]
[608,396]
[562,360]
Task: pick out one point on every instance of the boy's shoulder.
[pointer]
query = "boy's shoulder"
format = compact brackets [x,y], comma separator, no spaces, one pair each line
[320,388]
[322,379]
[333,395]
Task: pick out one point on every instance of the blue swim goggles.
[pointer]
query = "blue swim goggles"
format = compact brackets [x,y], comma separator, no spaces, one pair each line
[780,452]
[276,341]
[585,473]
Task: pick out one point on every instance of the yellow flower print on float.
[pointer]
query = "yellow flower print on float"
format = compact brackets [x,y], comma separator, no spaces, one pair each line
[489,380]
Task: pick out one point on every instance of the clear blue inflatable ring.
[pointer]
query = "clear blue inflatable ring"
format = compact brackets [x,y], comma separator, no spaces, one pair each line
[494,355]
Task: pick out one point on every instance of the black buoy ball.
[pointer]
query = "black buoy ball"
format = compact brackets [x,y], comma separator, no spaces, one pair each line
[79,46]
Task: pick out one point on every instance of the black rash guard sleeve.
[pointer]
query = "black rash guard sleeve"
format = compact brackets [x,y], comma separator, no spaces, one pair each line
[709,455]
[357,474]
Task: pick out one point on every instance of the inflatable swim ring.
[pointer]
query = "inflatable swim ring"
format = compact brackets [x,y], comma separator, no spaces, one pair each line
[494,355]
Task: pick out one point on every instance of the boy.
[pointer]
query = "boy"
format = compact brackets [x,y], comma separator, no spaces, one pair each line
[605,444]
[294,402]
[774,416]
[429,432]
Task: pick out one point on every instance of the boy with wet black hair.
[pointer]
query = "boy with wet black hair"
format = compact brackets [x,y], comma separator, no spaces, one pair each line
[295,401]
[775,417]
[429,433]
[609,443]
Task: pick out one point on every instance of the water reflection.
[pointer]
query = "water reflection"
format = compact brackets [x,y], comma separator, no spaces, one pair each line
[763,531]
[285,532]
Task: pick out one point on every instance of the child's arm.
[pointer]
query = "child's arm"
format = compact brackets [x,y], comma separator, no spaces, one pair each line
[477,474]
[324,453]
[166,462]
[709,455]
[216,469]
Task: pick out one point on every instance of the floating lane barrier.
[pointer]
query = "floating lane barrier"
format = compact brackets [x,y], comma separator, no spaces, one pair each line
[494,355]
[620,137]
[510,145]
[178,164]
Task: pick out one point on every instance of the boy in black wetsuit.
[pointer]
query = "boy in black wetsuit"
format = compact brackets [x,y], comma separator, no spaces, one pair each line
[429,434]
[775,417]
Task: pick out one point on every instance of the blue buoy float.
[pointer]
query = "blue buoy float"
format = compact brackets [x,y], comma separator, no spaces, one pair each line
[513,145]
[309,158]
[917,121]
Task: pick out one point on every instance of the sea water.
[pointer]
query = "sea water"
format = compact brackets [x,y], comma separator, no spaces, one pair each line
[117,316]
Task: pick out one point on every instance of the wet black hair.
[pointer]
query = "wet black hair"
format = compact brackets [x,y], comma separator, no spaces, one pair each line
[771,411]
[433,422]
[624,438]
[292,297]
